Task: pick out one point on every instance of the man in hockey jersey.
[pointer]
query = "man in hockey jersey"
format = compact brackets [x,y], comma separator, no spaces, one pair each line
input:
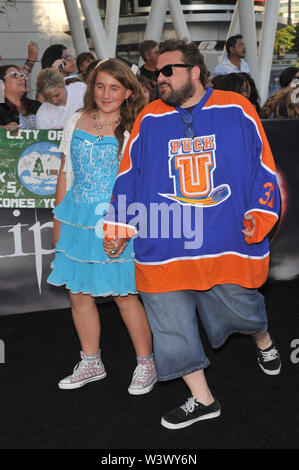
[202,154]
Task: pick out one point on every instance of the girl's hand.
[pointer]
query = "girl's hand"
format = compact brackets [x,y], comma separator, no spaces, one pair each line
[115,247]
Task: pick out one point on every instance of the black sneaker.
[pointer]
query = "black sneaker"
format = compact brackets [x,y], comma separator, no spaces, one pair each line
[269,360]
[189,413]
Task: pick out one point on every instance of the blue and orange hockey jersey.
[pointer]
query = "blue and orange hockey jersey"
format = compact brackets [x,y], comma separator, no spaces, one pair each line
[186,198]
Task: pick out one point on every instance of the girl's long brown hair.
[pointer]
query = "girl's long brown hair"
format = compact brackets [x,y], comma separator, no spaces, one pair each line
[130,107]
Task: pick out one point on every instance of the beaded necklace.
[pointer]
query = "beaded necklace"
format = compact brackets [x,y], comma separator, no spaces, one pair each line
[99,125]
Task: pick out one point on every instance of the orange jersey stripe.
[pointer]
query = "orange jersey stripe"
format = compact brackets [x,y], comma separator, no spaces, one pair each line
[202,274]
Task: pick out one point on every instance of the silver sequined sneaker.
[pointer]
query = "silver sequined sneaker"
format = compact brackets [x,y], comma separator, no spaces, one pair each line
[89,369]
[144,376]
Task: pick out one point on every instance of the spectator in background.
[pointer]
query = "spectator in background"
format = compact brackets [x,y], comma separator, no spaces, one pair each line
[286,105]
[149,52]
[91,67]
[216,80]
[59,57]
[82,62]
[61,100]
[233,62]
[254,97]
[17,111]
[236,82]
[241,83]
[287,75]
[270,110]
[32,53]
[146,88]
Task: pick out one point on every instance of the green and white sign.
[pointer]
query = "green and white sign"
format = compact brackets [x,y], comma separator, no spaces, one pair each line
[29,166]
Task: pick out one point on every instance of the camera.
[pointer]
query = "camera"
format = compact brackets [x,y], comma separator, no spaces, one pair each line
[61,66]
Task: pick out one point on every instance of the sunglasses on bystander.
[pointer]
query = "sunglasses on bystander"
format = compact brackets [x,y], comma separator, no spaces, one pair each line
[15,75]
[67,57]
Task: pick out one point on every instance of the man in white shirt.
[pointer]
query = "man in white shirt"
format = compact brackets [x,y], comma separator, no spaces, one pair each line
[233,61]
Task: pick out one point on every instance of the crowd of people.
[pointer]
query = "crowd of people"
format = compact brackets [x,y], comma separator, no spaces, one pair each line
[62,97]
[120,140]
[233,74]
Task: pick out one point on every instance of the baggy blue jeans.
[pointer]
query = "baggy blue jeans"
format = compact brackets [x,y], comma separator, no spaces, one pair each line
[223,310]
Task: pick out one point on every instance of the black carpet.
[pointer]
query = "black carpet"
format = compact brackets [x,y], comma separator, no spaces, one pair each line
[258,411]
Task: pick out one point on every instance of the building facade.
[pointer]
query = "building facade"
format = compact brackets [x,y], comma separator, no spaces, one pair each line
[46,22]
[289,9]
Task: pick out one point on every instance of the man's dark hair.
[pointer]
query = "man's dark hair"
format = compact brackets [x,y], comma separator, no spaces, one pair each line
[231,42]
[191,55]
[146,46]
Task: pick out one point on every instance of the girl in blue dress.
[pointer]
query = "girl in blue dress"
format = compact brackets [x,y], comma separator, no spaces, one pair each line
[91,146]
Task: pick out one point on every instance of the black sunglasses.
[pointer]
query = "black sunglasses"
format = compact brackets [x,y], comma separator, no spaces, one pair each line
[167,70]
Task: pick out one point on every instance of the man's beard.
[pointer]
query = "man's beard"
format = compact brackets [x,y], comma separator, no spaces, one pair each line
[178,97]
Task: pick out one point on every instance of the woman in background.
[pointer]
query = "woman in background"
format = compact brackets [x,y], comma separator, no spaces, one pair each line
[17,111]
[146,88]
[270,108]
[60,100]
[59,57]
[236,82]
[286,105]
[82,62]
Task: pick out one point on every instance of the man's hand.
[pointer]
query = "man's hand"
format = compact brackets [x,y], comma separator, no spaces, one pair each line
[249,231]
[114,247]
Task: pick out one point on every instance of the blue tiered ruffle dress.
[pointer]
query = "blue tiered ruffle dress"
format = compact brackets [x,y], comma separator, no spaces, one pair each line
[81,263]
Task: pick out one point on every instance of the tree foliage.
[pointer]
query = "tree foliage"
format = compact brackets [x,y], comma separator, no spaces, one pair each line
[285,37]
